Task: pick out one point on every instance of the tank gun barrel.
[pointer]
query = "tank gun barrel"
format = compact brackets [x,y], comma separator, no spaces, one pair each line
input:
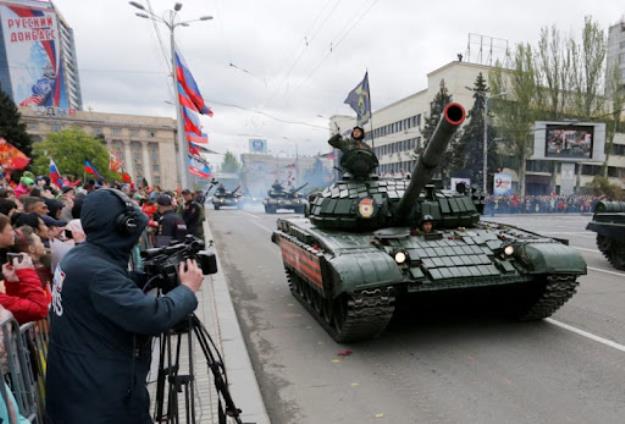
[452,117]
[296,189]
[236,189]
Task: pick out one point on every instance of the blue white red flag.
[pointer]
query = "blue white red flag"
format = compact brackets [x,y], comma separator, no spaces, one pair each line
[198,139]
[200,168]
[191,121]
[55,175]
[189,86]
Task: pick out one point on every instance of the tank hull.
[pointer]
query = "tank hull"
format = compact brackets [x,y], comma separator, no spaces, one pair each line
[350,281]
[609,224]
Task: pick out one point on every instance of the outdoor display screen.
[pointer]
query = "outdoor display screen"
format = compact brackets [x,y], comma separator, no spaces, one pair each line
[569,141]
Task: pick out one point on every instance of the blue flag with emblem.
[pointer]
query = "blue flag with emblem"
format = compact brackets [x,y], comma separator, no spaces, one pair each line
[360,100]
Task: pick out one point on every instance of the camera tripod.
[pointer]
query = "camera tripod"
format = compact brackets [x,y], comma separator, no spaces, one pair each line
[170,383]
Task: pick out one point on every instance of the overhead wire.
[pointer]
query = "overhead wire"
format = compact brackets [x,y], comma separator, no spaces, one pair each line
[341,38]
[304,46]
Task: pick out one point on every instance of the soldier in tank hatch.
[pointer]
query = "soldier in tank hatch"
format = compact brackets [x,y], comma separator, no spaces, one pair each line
[355,142]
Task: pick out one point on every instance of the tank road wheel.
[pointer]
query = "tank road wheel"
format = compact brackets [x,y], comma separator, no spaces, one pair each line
[603,244]
[362,315]
[348,318]
[616,255]
[544,298]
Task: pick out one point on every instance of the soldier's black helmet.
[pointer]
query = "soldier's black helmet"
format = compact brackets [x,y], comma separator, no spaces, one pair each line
[427,218]
[362,133]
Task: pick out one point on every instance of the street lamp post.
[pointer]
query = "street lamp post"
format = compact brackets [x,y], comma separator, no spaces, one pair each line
[485,143]
[172,23]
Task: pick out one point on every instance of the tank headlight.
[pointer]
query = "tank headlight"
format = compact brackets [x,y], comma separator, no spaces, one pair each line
[400,257]
[508,250]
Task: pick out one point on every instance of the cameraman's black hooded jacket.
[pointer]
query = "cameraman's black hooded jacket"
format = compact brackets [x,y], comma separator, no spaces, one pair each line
[99,353]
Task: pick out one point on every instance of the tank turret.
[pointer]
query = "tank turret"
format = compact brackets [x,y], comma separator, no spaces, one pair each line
[361,201]
[453,117]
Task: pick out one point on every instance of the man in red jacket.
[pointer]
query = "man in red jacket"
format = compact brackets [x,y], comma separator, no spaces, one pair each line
[25,297]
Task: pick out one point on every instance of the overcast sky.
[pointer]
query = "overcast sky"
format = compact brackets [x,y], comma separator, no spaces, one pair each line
[295,60]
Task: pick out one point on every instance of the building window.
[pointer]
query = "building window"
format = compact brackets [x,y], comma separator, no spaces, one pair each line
[116,131]
[136,156]
[618,149]
[135,132]
[56,126]
[154,157]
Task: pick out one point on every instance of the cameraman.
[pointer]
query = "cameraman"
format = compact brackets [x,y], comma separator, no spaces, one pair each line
[100,350]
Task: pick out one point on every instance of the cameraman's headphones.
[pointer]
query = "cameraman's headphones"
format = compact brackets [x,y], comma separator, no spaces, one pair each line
[126,222]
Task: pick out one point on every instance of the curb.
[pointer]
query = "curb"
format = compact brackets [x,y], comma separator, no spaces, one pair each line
[243,384]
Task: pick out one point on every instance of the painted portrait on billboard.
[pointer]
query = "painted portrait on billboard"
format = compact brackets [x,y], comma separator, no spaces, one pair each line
[569,141]
[31,39]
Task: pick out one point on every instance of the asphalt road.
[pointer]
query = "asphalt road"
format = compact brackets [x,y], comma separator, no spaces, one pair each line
[449,365]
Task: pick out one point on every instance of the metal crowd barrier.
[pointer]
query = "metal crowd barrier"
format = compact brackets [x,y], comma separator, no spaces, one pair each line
[23,365]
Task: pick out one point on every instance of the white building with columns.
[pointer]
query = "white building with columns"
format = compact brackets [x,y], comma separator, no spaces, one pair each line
[146,144]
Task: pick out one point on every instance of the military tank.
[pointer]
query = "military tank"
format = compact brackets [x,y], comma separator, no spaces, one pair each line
[224,198]
[360,248]
[608,222]
[280,198]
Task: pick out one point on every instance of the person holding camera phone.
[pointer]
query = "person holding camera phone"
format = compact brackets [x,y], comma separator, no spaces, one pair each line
[101,320]
[24,295]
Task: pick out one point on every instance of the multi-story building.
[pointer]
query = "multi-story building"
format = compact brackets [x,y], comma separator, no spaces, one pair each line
[146,144]
[615,55]
[397,131]
[38,64]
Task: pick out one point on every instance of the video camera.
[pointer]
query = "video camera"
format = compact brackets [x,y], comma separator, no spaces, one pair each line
[161,264]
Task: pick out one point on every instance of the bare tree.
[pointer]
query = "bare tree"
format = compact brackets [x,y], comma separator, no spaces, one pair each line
[515,115]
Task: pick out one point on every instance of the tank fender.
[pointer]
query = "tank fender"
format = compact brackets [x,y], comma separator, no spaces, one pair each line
[551,258]
[363,270]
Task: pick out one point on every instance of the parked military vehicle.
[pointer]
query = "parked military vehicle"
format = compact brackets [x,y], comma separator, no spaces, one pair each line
[280,198]
[224,198]
[367,241]
[608,222]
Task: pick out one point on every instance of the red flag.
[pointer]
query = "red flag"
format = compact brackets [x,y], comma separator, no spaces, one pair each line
[11,158]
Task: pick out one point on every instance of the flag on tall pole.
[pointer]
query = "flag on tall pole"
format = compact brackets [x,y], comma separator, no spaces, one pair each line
[359,99]
[187,87]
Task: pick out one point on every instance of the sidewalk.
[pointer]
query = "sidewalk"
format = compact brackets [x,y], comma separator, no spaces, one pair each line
[216,311]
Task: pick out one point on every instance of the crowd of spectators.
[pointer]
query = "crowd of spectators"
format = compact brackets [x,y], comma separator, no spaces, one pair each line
[541,204]
[40,223]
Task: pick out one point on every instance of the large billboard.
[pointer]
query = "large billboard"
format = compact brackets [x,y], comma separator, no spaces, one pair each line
[32,47]
[569,141]
[502,184]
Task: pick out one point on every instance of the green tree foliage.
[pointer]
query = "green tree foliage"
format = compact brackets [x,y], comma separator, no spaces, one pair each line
[69,149]
[230,163]
[616,93]
[601,186]
[437,105]
[11,127]
[515,118]
[468,151]
[441,98]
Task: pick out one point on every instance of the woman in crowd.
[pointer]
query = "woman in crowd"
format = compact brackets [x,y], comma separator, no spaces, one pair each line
[24,295]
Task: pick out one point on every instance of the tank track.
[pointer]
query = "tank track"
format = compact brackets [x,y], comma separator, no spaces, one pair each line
[613,251]
[361,316]
[557,291]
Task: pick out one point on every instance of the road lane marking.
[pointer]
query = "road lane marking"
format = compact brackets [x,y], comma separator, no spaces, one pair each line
[618,274]
[250,214]
[259,225]
[594,337]
[585,249]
